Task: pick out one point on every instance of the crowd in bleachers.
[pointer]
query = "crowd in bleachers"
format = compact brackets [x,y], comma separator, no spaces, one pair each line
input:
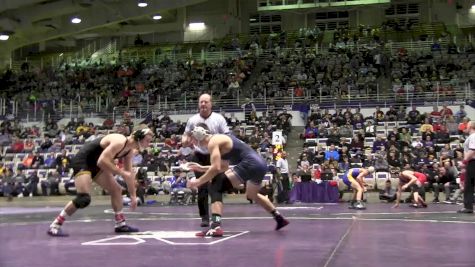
[390,142]
[128,84]
[386,140]
[357,71]
[37,161]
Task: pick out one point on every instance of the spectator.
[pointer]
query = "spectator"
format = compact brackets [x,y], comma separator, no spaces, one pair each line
[381,164]
[32,183]
[357,143]
[9,184]
[305,173]
[444,179]
[46,145]
[51,184]
[452,126]
[460,114]
[19,182]
[435,114]
[29,145]
[388,193]
[37,161]
[332,153]
[394,163]
[17,146]
[445,112]
[378,143]
[391,114]
[178,185]
[50,161]
[463,126]
[426,126]
[370,129]
[311,131]
[378,115]
[413,118]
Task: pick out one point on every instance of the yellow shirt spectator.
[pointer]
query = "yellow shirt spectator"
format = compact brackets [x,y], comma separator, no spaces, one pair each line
[426,126]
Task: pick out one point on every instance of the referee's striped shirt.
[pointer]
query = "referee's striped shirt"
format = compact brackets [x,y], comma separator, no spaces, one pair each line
[216,124]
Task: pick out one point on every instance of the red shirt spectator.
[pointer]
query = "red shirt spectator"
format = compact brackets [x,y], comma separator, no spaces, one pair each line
[436,126]
[446,111]
[29,145]
[463,125]
[435,113]
[298,91]
[18,146]
[317,173]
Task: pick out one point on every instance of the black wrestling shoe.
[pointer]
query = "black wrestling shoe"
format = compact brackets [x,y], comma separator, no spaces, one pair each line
[126,229]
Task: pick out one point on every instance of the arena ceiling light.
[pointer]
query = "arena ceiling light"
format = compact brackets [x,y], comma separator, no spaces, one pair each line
[142,4]
[76,20]
[157,17]
[197,26]
[4,37]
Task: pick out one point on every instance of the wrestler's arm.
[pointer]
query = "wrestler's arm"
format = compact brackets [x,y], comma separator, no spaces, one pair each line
[130,180]
[106,159]
[215,167]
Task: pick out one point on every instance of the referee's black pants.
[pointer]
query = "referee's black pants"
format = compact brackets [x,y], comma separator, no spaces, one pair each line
[203,191]
[469,184]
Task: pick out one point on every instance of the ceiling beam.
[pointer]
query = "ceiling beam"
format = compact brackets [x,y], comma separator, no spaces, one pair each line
[96,17]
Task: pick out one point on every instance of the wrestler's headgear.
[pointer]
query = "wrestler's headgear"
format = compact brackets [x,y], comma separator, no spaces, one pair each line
[200,132]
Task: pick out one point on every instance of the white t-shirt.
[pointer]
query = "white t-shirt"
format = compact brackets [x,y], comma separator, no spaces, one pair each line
[283,165]
[469,144]
[215,122]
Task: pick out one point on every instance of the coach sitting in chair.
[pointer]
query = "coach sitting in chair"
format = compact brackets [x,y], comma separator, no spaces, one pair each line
[178,192]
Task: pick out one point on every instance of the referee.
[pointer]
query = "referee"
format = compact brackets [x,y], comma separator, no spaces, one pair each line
[217,125]
[469,164]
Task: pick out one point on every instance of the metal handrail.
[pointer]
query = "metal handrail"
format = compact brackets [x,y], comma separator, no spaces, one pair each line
[73,108]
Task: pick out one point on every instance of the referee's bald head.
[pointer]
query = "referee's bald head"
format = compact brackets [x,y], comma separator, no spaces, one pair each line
[206,96]
[205,105]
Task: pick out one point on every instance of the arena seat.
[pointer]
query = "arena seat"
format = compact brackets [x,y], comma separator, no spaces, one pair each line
[381,132]
[61,186]
[370,181]
[368,141]
[267,180]
[311,141]
[390,124]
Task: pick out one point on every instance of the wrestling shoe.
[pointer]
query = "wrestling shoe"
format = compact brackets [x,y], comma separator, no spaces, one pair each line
[56,232]
[359,206]
[352,205]
[281,222]
[211,232]
[125,229]
[466,211]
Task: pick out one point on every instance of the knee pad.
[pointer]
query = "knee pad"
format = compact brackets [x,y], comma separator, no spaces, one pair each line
[82,200]
[216,196]
[218,186]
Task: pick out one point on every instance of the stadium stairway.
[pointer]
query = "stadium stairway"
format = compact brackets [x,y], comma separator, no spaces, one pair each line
[256,72]
[294,147]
